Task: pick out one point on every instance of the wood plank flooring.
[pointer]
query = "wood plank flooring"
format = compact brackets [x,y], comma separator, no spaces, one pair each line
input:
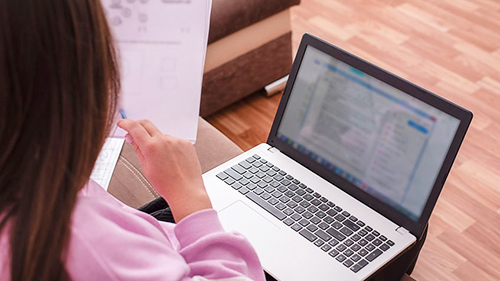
[451,47]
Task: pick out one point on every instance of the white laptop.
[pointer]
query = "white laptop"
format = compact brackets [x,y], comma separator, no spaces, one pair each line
[350,173]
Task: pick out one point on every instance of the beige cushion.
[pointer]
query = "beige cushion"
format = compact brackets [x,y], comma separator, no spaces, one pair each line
[129,185]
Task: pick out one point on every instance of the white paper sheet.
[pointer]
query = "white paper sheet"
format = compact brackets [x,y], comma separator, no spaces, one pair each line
[106,162]
[162,45]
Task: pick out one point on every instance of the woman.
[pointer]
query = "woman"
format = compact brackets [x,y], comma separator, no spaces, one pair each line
[58,90]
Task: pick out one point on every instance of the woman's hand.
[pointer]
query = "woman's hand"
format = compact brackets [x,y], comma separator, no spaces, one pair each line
[171,166]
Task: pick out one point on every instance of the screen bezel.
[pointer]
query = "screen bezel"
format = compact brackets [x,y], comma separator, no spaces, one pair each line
[463,115]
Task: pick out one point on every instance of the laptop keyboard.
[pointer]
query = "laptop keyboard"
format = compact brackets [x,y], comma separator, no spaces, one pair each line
[328,226]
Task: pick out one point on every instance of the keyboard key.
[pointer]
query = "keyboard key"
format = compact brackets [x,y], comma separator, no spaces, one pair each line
[360,223]
[280,206]
[326,247]
[222,175]
[369,247]
[348,252]
[282,173]
[258,191]
[296,217]
[355,247]
[236,185]
[260,175]
[340,217]
[362,242]
[332,212]
[278,177]
[302,185]
[229,181]
[348,242]
[351,225]
[248,175]
[355,237]
[308,235]
[321,234]
[300,192]
[273,201]
[317,195]
[288,211]
[293,187]
[384,247]
[383,238]
[323,225]
[245,165]
[363,252]
[255,180]
[305,204]
[315,220]
[263,185]
[289,177]
[312,209]
[375,233]
[276,169]
[239,169]
[328,220]
[330,204]
[277,194]
[373,255]
[304,222]
[282,188]
[257,164]
[289,193]
[299,209]
[369,237]
[296,227]
[357,267]
[323,207]
[268,180]
[291,204]
[341,258]
[333,242]
[337,225]
[346,231]
[353,218]
[390,243]
[312,227]
[338,209]
[377,242]
[319,243]
[264,168]
[315,202]
[348,263]
[288,221]
[253,170]
[243,190]
[333,232]
[250,159]
[362,232]
[308,197]
[285,182]
[367,228]
[271,173]
[320,214]
[355,257]
[284,199]
[323,199]
[296,181]
[309,190]
[269,189]
[269,165]
[297,198]
[346,214]
[333,253]
[264,161]
[268,207]
[244,181]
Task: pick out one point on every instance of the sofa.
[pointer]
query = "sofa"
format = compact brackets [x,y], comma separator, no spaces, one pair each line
[249,47]
[129,185]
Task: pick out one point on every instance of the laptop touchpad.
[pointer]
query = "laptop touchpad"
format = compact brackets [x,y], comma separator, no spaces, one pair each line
[242,218]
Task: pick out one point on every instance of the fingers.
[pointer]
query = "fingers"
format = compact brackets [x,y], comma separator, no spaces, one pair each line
[150,127]
[139,134]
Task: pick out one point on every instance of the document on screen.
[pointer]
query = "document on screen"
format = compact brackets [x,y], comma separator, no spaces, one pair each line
[162,46]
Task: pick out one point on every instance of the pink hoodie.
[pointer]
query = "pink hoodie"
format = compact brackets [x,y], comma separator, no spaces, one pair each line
[111,241]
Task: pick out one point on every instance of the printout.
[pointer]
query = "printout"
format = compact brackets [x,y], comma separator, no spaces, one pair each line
[106,162]
[162,46]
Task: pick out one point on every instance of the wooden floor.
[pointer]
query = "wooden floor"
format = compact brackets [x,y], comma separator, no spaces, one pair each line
[451,47]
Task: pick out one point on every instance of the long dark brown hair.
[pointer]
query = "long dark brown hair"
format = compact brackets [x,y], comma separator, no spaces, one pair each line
[58,90]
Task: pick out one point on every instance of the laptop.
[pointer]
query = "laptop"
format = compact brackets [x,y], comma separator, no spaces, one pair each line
[352,168]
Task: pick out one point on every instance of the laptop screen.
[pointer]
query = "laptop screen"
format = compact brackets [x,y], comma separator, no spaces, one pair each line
[380,139]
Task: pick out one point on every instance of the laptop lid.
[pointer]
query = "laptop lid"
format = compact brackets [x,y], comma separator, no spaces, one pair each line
[385,141]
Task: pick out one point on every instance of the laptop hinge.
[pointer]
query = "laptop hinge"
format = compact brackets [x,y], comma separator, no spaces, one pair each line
[401,230]
[273,149]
